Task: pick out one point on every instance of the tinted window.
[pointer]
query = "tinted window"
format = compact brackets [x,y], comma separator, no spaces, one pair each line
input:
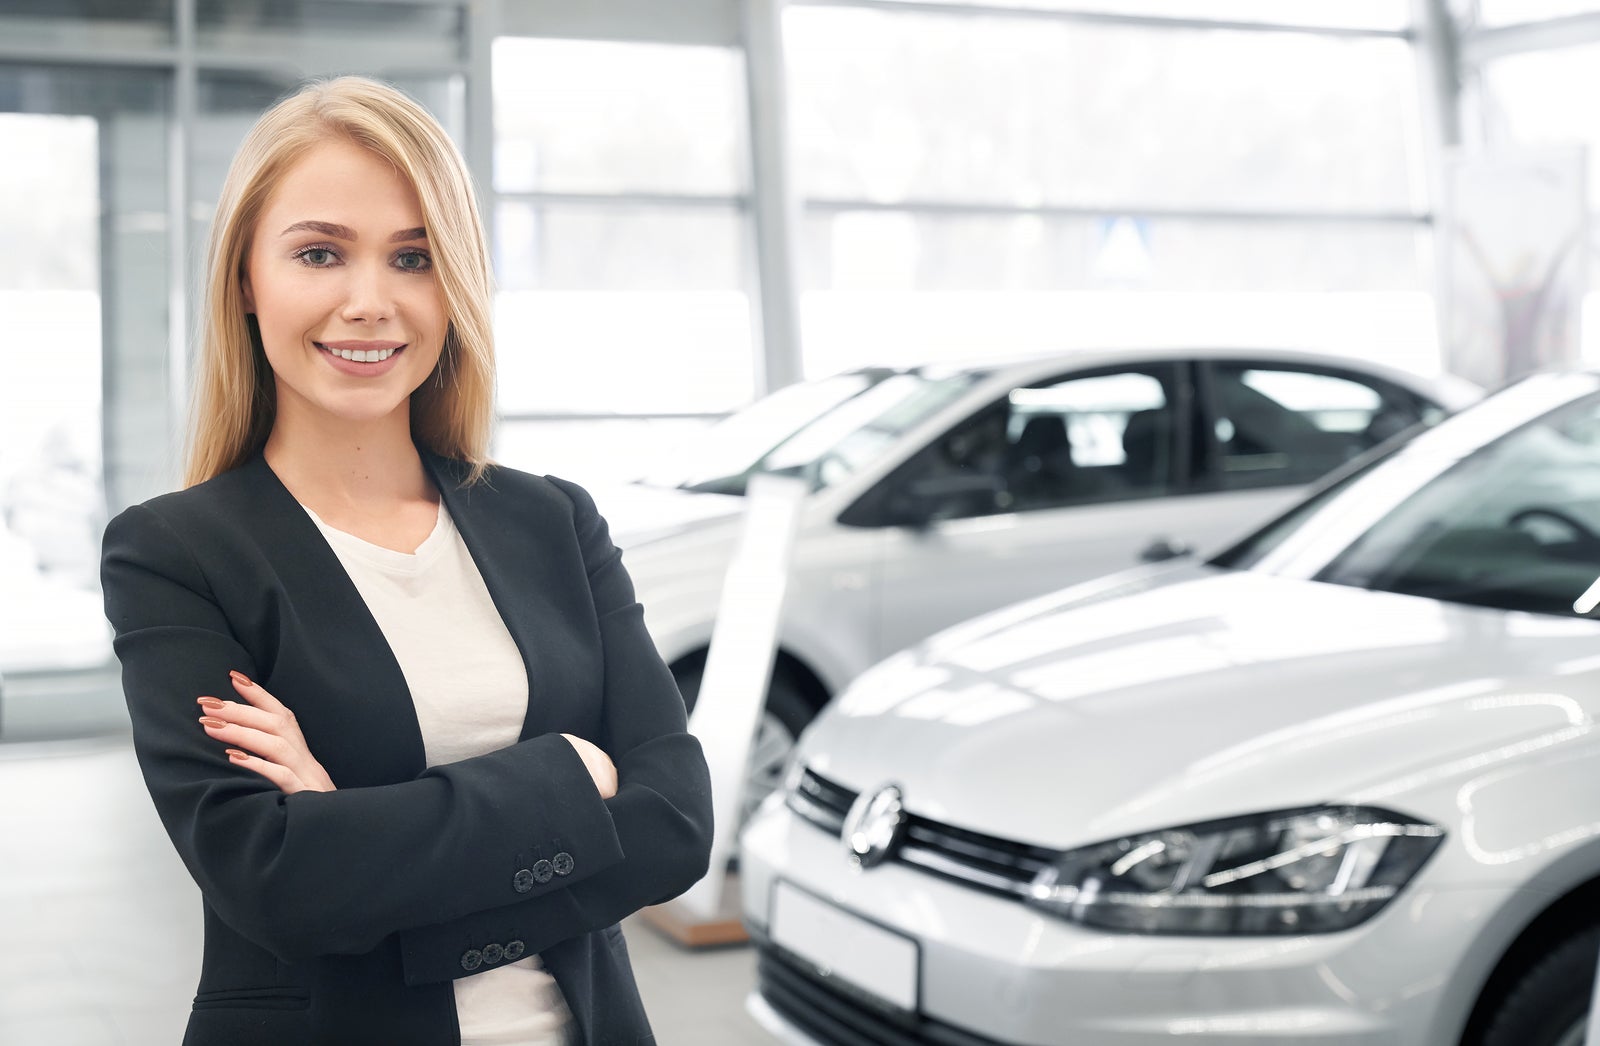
[1270,426]
[1515,525]
[721,457]
[1077,440]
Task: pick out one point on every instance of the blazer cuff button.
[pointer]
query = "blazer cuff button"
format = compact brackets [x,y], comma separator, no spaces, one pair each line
[562,862]
[514,950]
[543,871]
[523,881]
[471,959]
[493,953]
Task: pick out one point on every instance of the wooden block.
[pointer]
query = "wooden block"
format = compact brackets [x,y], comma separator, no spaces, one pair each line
[693,930]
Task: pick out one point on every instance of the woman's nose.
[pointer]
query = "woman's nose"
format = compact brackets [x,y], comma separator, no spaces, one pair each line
[368,296]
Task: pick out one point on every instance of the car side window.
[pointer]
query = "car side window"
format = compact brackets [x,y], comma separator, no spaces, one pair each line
[1077,440]
[1101,437]
[1270,425]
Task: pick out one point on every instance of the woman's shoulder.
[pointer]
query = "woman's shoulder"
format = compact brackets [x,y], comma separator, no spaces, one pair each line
[503,483]
[226,513]
[224,495]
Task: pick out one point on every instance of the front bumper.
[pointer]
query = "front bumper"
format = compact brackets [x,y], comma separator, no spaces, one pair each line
[994,972]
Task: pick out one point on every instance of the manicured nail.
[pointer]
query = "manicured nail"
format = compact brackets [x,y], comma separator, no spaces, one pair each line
[235,755]
[212,721]
[241,678]
[210,702]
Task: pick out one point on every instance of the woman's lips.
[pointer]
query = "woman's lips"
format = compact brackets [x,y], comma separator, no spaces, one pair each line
[365,359]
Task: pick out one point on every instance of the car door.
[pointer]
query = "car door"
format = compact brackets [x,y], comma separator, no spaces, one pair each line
[1057,482]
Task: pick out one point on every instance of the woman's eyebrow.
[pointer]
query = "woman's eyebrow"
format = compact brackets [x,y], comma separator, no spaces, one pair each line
[339,232]
[344,232]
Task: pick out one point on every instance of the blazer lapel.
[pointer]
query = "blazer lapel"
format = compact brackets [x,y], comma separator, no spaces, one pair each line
[335,669]
[512,553]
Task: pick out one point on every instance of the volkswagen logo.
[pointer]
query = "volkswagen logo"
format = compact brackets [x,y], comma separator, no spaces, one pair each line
[873,828]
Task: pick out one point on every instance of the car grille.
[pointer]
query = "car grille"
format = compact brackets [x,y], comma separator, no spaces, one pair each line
[984,861]
[834,1013]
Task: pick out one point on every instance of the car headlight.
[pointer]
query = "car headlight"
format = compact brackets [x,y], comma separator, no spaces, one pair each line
[1289,872]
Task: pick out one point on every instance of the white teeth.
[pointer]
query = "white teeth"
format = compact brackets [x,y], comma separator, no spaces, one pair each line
[362,355]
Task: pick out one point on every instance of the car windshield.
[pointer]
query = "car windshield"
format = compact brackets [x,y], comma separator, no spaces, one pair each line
[1513,524]
[844,437]
[721,457]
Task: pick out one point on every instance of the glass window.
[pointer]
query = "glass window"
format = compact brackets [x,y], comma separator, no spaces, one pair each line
[594,452]
[1515,525]
[52,507]
[1085,439]
[592,117]
[1508,12]
[86,286]
[841,442]
[1270,426]
[570,247]
[890,106]
[1528,99]
[898,250]
[125,24]
[721,457]
[378,37]
[1097,438]
[621,305]
[1350,14]
[625,352]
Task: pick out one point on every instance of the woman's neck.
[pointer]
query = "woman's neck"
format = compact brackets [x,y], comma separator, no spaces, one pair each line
[342,469]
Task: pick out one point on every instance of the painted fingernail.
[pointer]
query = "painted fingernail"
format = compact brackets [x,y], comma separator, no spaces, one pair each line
[241,678]
[212,721]
[235,755]
[210,702]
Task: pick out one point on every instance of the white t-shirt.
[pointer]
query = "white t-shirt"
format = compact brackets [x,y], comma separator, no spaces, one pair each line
[470,689]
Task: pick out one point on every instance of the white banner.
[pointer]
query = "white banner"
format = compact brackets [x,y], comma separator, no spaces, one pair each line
[1512,262]
[744,640]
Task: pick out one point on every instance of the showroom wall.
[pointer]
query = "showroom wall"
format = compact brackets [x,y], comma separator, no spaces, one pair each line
[693,203]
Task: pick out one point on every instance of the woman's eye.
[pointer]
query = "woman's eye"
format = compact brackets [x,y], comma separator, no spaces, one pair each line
[413,261]
[318,256]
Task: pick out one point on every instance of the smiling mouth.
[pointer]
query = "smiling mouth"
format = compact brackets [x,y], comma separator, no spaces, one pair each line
[359,355]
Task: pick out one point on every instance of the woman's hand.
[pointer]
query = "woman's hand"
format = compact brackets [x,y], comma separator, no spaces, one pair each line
[599,765]
[266,727]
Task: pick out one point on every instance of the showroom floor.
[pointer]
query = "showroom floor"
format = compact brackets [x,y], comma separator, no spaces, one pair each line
[100,924]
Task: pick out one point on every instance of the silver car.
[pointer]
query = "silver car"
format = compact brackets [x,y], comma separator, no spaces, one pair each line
[944,492]
[1340,784]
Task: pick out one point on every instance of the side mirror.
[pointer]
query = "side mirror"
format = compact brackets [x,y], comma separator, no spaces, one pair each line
[1162,549]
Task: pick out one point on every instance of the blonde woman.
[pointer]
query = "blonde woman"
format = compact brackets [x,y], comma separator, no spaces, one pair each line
[396,706]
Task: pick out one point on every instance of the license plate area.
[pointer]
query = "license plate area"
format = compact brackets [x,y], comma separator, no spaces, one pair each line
[878,963]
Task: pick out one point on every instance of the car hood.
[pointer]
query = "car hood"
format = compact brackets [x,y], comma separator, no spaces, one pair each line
[638,514]
[1202,694]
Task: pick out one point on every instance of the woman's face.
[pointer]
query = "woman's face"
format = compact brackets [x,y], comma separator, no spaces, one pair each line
[341,281]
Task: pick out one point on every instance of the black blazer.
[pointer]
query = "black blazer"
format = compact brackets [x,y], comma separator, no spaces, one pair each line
[342,917]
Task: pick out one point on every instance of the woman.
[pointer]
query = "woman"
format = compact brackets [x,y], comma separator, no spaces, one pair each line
[437,757]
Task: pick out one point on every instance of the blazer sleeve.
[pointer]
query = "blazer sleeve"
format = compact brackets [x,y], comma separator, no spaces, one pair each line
[662,809]
[324,873]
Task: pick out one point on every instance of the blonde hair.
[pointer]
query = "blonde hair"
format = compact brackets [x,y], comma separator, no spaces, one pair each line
[234,400]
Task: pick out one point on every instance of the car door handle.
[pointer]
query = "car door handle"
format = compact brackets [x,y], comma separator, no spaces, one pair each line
[1162,549]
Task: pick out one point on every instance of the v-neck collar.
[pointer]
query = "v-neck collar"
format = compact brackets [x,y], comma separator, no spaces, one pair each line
[389,560]
[307,565]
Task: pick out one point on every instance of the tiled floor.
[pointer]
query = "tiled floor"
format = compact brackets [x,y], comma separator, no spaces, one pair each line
[100,924]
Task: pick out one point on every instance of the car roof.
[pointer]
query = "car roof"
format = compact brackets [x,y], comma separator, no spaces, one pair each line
[1021,365]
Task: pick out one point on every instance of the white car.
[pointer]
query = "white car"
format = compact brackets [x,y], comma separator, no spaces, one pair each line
[1339,784]
[944,492]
